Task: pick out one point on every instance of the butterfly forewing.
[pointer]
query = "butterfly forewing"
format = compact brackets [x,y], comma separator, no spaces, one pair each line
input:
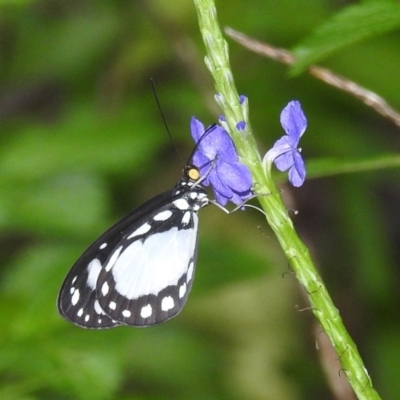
[78,302]
[140,271]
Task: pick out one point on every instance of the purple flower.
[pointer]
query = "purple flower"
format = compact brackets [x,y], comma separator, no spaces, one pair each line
[241,126]
[219,164]
[285,153]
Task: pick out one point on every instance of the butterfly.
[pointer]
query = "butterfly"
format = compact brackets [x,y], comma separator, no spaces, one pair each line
[140,271]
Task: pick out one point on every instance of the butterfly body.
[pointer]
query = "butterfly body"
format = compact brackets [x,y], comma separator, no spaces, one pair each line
[140,271]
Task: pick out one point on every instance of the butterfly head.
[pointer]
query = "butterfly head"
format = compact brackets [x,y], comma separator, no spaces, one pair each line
[191,173]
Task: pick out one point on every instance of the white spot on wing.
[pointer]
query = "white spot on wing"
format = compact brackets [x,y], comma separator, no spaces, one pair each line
[98,309]
[147,267]
[74,280]
[182,204]
[75,297]
[146,311]
[127,313]
[87,318]
[103,246]
[104,289]
[167,303]
[182,290]
[93,270]
[113,258]
[189,275]
[163,215]
[80,312]
[112,305]
[186,217]
[140,231]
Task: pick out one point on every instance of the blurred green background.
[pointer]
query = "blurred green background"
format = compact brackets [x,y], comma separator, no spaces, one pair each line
[82,143]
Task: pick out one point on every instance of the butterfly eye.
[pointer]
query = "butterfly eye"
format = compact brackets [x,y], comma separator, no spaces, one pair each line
[193,173]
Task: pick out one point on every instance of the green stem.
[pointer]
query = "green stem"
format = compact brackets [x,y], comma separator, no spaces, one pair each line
[217,61]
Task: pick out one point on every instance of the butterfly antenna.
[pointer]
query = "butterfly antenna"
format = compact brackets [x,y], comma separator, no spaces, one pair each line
[153,85]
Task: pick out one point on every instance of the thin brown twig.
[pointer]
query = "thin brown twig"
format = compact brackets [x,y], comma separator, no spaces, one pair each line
[368,97]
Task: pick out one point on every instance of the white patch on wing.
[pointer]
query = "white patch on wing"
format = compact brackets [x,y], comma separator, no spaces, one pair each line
[87,318]
[146,311]
[93,270]
[80,312]
[103,246]
[163,215]
[74,280]
[147,267]
[182,204]
[182,290]
[97,308]
[104,289]
[113,258]
[140,231]
[167,303]
[186,218]
[75,297]
[112,305]
[126,313]
[190,272]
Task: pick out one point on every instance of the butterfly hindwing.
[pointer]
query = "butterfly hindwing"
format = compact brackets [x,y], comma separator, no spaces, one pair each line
[140,271]
[150,276]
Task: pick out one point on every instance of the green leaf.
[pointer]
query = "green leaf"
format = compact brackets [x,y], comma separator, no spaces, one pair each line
[329,166]
[85,141]
[61,47]
[58,205]
[352,25]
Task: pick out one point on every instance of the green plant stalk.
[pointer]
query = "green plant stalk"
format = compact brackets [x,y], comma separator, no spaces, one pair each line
[217,61]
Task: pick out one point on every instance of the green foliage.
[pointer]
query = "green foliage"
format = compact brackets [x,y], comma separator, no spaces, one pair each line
[82,144]
[352,25]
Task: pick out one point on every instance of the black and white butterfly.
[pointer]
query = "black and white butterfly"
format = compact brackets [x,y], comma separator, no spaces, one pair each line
[141,270]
